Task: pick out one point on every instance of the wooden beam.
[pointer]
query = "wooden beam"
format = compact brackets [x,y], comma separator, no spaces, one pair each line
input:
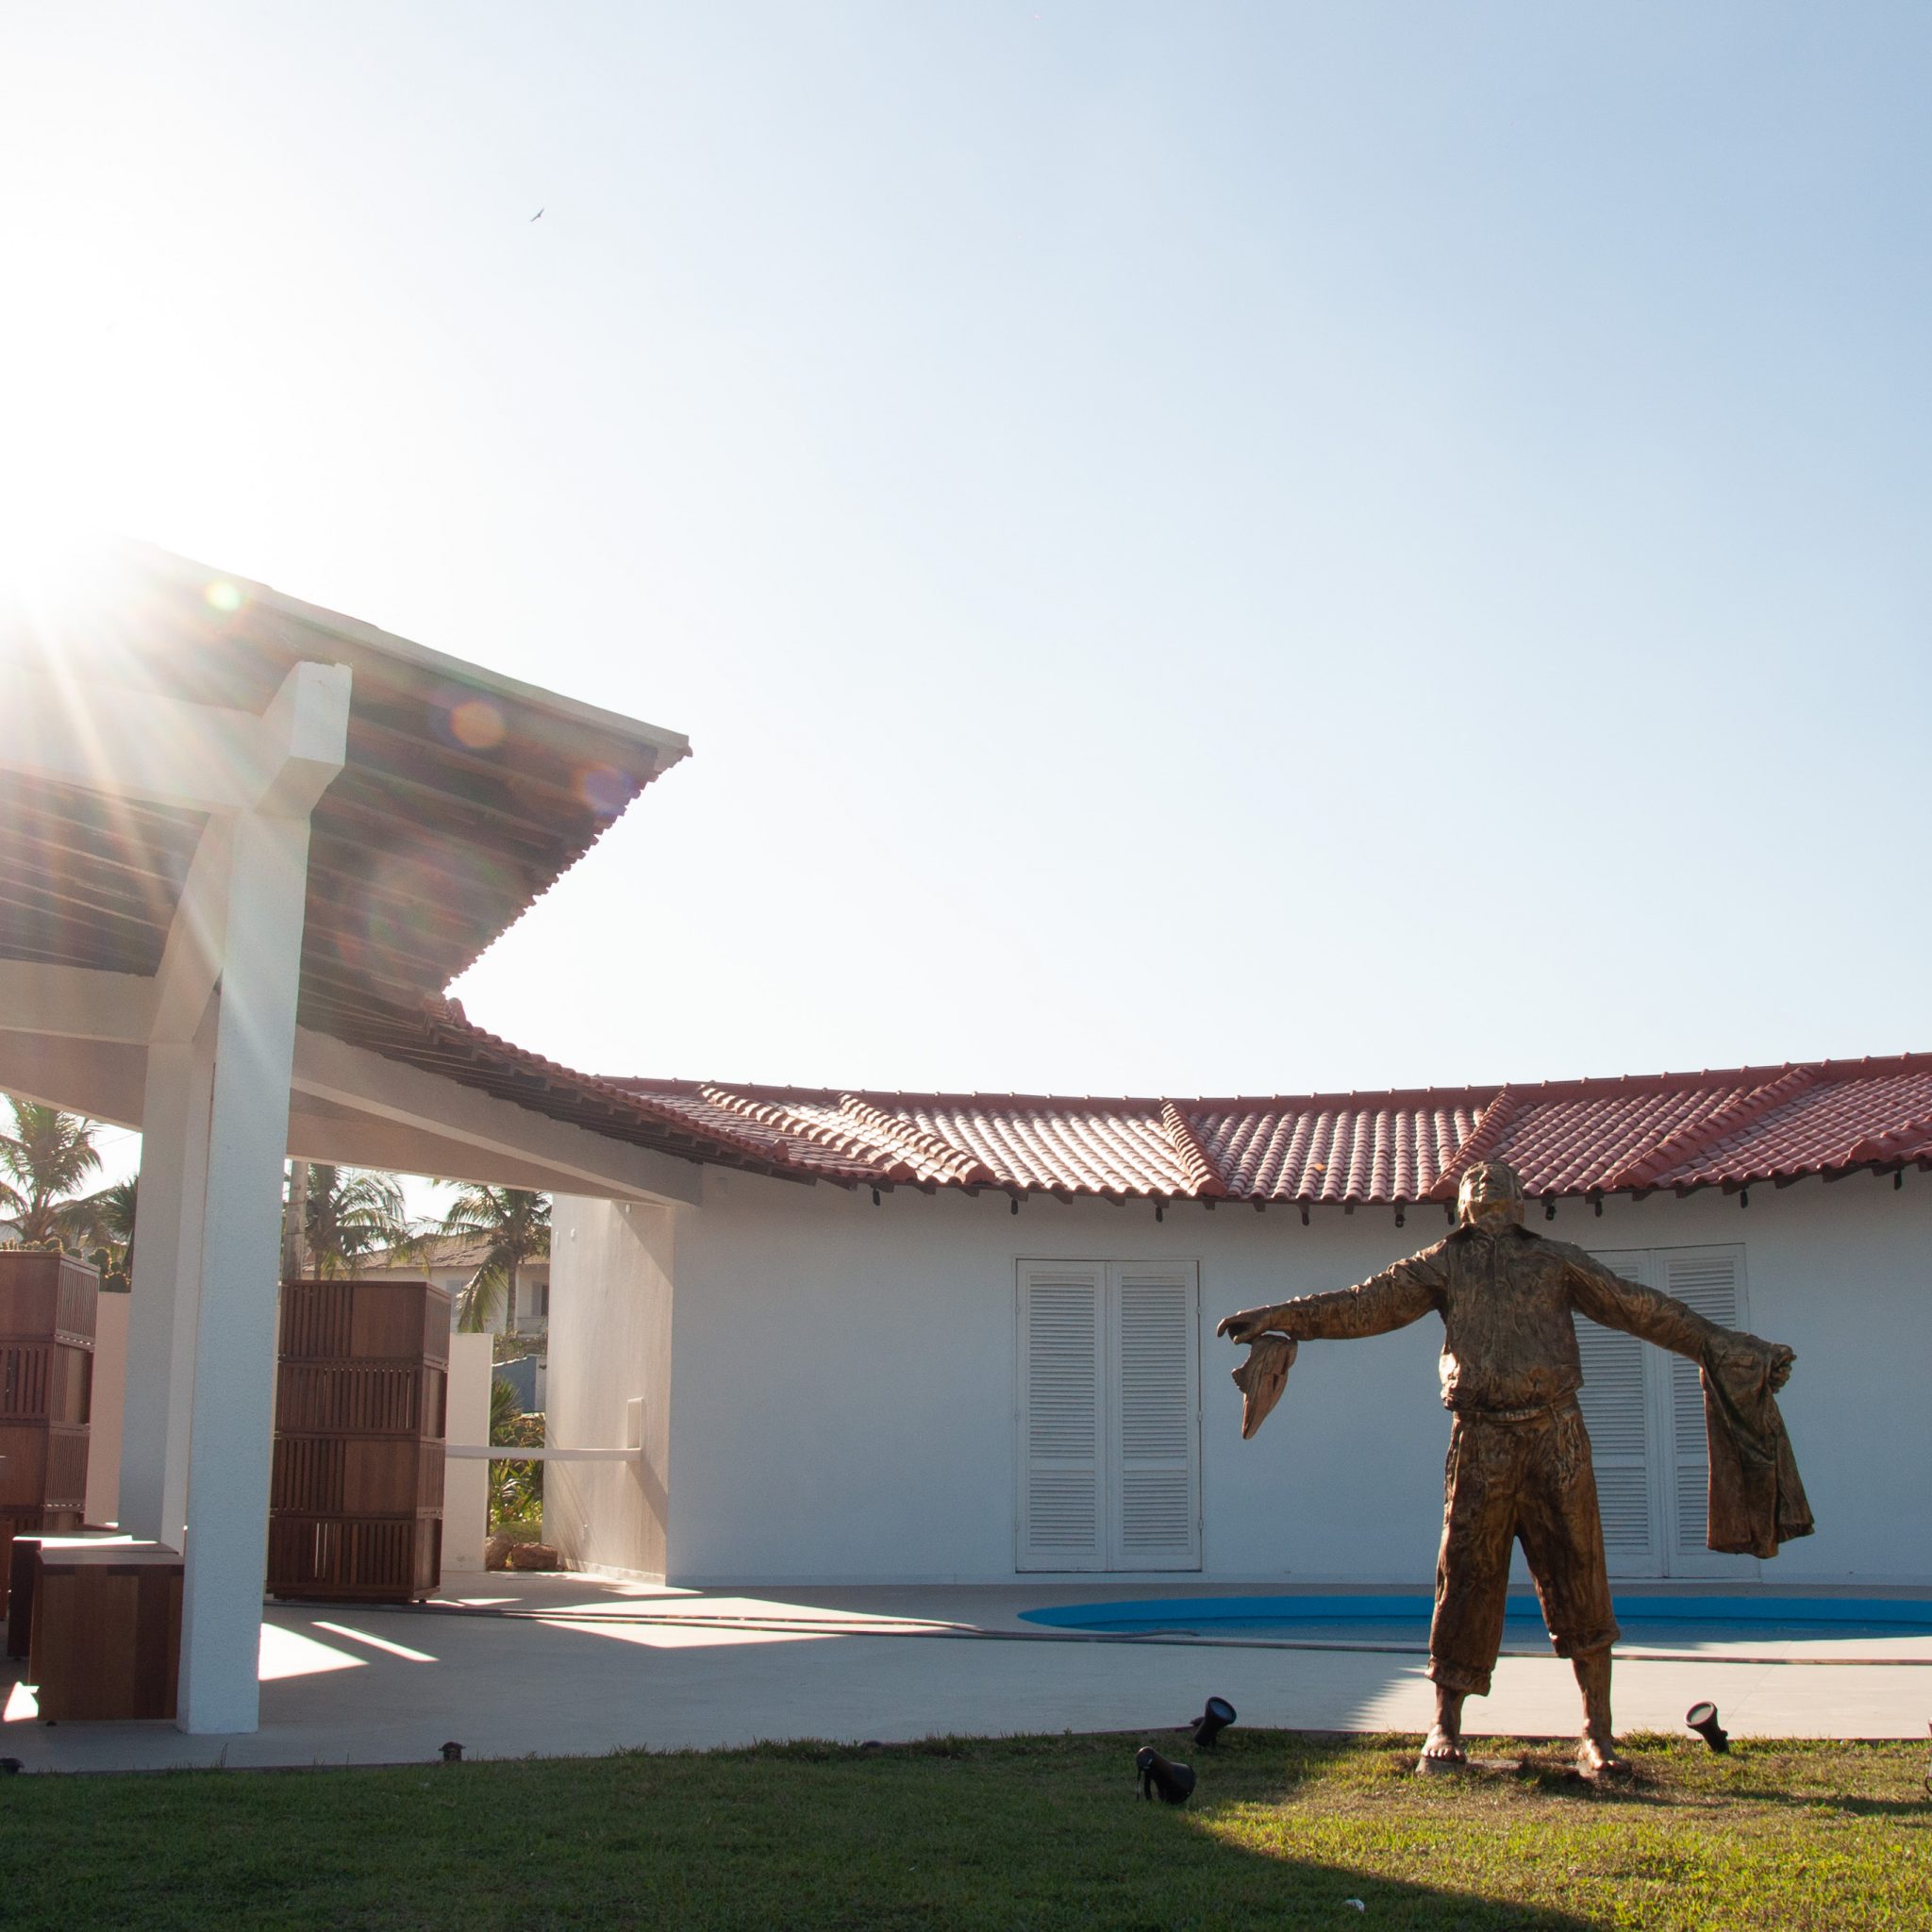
[75,1002]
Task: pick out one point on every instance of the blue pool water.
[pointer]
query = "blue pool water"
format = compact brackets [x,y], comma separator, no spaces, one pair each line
[1400,1618]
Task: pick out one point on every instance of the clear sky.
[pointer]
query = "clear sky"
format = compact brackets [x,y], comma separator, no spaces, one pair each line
[1201,548]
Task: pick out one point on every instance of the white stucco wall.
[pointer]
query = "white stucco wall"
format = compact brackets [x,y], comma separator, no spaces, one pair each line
[842,1379]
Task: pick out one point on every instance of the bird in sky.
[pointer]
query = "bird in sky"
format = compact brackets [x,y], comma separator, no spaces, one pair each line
[538,216]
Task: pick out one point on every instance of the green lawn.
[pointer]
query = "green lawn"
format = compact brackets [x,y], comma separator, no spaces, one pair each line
[1284,1829]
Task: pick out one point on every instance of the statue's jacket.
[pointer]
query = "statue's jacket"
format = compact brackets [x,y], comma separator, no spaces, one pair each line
[1507,1301]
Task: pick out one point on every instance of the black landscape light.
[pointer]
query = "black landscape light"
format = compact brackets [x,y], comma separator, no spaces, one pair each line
[1702,1718]
[1212,1722]
[1162,1776]
[452,1752]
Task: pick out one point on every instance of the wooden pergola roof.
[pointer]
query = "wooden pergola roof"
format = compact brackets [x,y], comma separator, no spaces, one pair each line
[465,795]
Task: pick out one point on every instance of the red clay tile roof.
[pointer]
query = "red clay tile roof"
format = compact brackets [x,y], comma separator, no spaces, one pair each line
[1678,1131]
[1568,1138]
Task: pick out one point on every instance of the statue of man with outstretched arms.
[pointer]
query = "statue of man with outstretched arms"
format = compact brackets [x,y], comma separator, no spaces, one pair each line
[1518,1459]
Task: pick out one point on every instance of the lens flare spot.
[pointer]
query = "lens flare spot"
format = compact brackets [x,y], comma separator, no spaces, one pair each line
[224,596]
[477,724]
[605,790]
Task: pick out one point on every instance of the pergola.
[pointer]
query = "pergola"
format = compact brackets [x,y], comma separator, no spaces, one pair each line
[244,844]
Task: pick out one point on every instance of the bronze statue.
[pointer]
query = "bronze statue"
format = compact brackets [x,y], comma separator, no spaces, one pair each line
[1518,1459]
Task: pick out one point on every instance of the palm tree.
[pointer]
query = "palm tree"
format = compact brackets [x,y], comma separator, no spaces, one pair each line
[512,1226]
[42,1165]
[350,1214]
[106,1232]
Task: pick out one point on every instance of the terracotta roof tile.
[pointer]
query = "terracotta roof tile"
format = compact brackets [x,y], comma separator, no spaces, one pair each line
[1730,1129]
[1566,1138]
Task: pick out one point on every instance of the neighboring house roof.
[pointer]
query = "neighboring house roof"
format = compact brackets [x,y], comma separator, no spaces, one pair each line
[445,1252]
[1636,1135]
[465,794]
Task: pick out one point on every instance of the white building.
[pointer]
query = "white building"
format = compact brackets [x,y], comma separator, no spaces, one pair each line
[252,843]
[451,1264]
[1003,1362]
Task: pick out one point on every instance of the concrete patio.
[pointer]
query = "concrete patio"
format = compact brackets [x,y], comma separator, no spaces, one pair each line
[514,1666]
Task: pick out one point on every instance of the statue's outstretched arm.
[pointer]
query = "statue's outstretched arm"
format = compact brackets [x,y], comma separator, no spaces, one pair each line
[1608,1299]
[1390,1299]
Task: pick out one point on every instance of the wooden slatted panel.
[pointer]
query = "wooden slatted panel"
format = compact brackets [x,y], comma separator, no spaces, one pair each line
[308,1474]
[1704,1279]
[1617,1416]
[1060,1415]
[316,1317]
[353,1398]
[66,1465]
[1156,1517]
[23,1379]
[45,1381]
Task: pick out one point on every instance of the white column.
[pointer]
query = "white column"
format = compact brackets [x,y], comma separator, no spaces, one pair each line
[231,1439]
[166,1285]
[466,1484]
[104,1421]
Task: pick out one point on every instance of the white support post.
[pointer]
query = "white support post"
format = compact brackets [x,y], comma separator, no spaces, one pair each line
[166,1285]
[233,1409]
[231,1439]
[466,1484]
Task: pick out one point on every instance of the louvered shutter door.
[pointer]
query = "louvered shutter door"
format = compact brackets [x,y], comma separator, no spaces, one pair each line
[1062,1421]
[1155,1509]
[1617,1416]
[1704,1279]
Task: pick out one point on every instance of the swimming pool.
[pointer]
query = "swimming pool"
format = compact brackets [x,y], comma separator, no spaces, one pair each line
[1394,1617]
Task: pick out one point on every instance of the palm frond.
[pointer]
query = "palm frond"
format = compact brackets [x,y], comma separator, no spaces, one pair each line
[46,1160]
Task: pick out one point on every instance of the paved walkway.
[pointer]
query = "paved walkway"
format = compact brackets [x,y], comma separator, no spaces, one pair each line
[515,1666]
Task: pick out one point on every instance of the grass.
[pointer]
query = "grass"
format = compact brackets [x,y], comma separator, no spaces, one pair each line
[1035,1832]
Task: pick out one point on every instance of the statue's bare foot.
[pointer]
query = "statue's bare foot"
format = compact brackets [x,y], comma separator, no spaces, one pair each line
[1442,1751]
[1597,1756]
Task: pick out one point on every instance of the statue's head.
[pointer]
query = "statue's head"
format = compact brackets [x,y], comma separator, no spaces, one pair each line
[1490,1197]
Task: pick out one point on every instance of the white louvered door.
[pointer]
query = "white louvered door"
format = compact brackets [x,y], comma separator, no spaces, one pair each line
[1109,1416]
[1617,1411]
[1710,1280]
[1644,1410]
[1154,1515]
[1062,1416]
